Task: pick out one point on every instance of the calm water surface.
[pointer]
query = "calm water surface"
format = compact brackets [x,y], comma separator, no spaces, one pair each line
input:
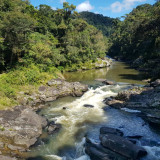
[119,72]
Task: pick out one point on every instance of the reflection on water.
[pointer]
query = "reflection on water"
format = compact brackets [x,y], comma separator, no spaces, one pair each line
[119,72]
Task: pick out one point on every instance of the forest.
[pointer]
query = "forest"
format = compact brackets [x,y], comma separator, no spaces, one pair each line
[136,39]
[37,43]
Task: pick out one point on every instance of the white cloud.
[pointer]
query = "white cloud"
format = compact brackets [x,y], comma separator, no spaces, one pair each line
[62,1]
[85,6]
[124,5]
[54,8]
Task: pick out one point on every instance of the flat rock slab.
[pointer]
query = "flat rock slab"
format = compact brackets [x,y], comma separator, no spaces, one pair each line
[55,88]
[122,146]
[106,130]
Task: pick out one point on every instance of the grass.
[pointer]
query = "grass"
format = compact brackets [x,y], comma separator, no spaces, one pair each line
[26,79]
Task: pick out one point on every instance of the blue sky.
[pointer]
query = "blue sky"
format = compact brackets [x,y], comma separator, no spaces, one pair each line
[111,8]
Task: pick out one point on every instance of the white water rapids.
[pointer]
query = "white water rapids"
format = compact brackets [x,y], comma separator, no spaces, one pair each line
[76,116]
[68,143]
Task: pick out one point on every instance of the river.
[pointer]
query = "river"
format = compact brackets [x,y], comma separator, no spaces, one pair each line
[78,121]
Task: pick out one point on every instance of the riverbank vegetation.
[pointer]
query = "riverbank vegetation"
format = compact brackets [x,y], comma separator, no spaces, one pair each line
[36,44]
[136,39]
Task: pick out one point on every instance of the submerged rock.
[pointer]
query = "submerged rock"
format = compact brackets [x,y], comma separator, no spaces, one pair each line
[107,82]
[88,106]
[52,127]
[106,130]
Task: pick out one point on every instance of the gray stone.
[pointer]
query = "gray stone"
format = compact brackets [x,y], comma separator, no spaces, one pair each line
[22,127]
[122,146]
[106,130]
[6,158]
[88,106]
[107,82]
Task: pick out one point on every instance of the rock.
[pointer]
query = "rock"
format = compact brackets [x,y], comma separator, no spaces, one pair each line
[88,106]
[15,148]
[106,130]
[98,152]
[56,88]
[42,88]
[101,63]
[114,103]
[55,82]
[21,128]
[123,96]
[79,89]
[135,137]
[6,158]
[152,116]
[122,146]
[107,82]
[52,127]
[155,83]
[1,144]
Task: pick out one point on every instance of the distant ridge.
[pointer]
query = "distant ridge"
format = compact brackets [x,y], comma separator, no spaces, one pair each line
[103,23]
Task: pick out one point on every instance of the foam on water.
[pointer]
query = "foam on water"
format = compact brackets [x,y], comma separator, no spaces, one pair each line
[76,116]
[153,153]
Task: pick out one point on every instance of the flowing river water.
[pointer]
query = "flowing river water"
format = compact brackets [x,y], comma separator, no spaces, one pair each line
[78,121]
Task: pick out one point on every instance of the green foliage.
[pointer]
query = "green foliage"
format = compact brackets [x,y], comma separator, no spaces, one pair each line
[105,24]
[45,36]
[20,79]
[138,36]
[34,42]
[42,49]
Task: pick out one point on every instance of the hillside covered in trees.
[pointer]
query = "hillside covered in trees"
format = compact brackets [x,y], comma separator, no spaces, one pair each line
[37,43]
[103,23]
[137,39]
[59,36]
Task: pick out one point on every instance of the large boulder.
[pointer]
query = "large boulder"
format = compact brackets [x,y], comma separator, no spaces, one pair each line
[55,88]
[98,152]
[20,128]
[101,63]
[122,146]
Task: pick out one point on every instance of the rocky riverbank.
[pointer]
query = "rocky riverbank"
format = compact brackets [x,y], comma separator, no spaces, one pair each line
[143,100]
[99,63]
[21,126]
[56,88]
[113,145]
